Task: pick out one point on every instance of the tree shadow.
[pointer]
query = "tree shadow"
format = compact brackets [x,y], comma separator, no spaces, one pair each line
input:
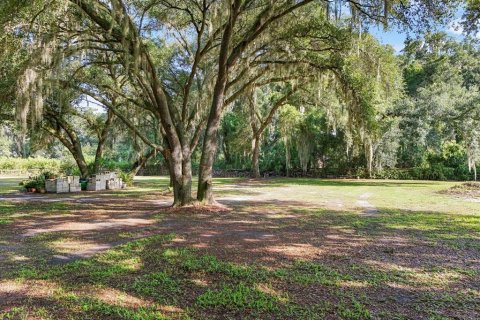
[262,259]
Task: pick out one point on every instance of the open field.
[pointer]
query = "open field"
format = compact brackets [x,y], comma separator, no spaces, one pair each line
[281,249]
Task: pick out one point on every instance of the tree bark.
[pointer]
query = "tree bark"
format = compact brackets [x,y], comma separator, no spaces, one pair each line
[182,181]
[102,137]
[82,165]
[369,156]
[256,157]
[140,163]
[205,185]
[75,149]
[70,141]
[169,166]
[205,192]
[287,158]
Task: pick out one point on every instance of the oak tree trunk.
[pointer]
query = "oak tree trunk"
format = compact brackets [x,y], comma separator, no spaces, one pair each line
[256,158]
[205,192]
[102,138]
[205,174]
[181,177]
[287,158]
[140,163]
[82,166]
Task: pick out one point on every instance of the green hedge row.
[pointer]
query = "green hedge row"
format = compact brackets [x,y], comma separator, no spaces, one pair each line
[63,166]
[434,172]
[8,163]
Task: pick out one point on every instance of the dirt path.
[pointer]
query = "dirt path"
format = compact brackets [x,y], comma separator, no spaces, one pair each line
[368,208]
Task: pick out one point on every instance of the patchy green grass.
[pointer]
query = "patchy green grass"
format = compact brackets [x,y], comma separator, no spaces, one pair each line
[46,237]
[306,272]
[100,309]
[200,284]
[10,211]
[352,310]
[294,249]
[10,185]
[240,297]
[160,276]
[455,230]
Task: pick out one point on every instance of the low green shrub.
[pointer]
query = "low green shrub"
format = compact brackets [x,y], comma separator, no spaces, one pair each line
[37,182]
[433,172]
[127,178]
[112,165]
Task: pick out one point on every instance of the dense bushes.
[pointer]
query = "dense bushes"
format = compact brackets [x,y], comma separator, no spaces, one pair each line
[57,166]
[126,177]
[30,164]
[437,170]
[111,165]
[433,172]
[36,183]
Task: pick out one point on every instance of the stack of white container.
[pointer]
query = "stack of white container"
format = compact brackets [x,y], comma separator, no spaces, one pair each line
[63,184]
[74,183]
[51,185]
[113,182]
[97,182]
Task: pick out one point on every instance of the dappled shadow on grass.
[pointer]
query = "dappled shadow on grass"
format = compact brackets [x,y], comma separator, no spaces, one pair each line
[160,274]
[86,228]
[348,182]
[261,259]
[456,231]
[239,183]
[273,226]
[9,185]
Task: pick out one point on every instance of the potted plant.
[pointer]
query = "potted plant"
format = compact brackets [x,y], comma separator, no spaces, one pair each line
[30,185]
[40,183]
[35,184]
[49,175]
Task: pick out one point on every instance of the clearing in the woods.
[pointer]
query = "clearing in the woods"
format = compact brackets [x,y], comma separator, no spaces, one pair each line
[280,249]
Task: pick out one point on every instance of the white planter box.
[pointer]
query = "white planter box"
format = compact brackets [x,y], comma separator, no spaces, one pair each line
[63,185]
[97,183]
[114,184]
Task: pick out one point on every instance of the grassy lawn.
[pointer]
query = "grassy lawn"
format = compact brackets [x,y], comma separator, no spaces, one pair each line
[9,185]
[281,249]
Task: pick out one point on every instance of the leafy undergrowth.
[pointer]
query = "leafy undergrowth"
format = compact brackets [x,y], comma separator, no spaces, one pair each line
[153,278]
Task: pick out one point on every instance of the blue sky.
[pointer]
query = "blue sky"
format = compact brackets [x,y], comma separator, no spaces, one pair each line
[396,38]
[392,37]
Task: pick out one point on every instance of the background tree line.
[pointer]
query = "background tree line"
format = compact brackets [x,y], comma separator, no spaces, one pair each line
[424,128]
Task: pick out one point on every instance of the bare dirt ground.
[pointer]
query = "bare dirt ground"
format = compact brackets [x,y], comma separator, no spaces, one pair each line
[467,190]
[395,270]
